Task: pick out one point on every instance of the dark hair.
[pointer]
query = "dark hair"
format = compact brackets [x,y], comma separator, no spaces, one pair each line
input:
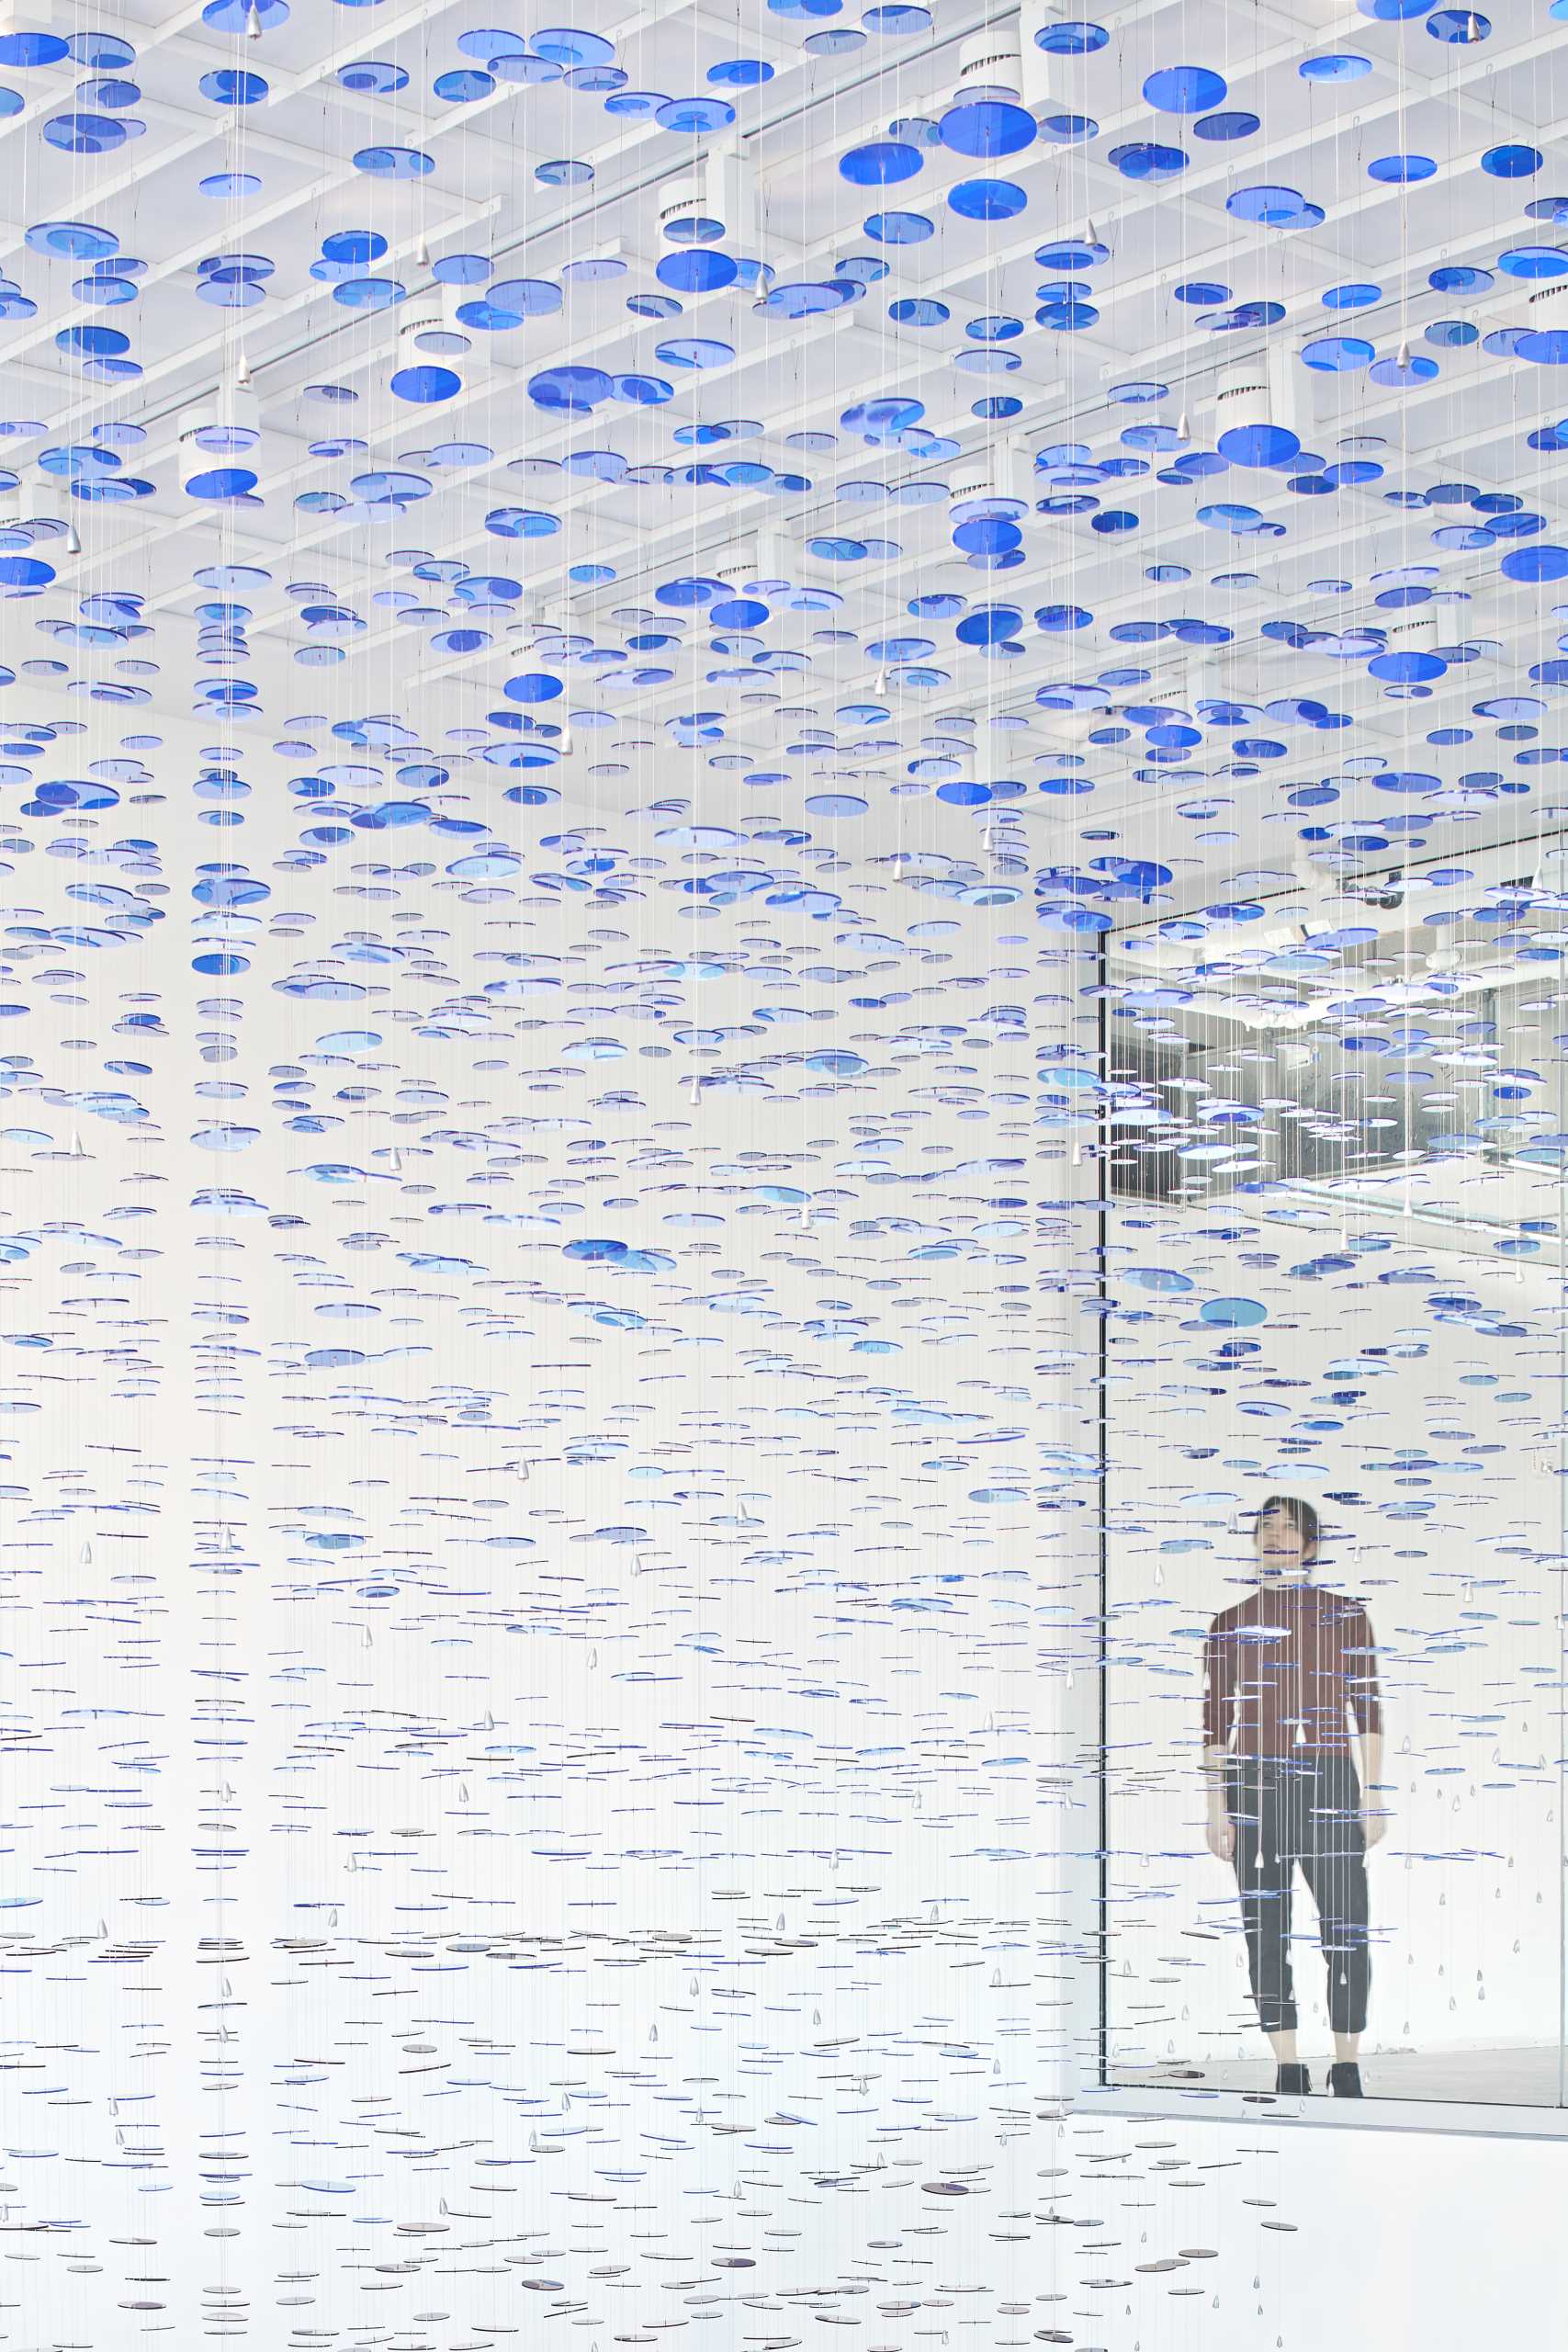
[1301,1515]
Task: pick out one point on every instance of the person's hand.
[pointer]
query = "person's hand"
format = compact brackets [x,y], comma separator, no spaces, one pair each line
[1374,1827]
[1221,1834]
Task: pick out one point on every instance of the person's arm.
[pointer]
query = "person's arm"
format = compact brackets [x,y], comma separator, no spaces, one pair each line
[1221,1827]
[1374,1817]
[1366,1703]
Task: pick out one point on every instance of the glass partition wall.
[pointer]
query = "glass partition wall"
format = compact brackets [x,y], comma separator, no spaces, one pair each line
[1334,1275]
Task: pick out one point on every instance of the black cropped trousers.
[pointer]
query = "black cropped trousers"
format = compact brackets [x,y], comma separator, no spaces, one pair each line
[1305,1814]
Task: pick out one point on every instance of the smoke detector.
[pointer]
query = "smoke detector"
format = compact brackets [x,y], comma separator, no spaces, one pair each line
[720,202]
[685,214]
[225,423]
[1257,403]
[988,483]
[762,565]
[435,331]
[990,65]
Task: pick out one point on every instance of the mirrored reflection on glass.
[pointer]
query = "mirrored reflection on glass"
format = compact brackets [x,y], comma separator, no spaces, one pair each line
[1334,1413]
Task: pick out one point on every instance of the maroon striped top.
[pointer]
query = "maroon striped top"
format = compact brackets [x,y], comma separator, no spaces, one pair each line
[1286,1668]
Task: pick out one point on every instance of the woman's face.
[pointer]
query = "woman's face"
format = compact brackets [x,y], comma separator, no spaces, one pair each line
[1280,1551]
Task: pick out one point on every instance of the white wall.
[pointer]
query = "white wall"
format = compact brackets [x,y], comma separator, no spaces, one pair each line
[507,1747]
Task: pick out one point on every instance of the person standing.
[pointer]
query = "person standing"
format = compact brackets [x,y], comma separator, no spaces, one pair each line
[1288,1671]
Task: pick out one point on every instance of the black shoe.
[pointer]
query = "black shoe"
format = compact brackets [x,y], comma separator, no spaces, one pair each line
[1291,2081]
[1345,2079]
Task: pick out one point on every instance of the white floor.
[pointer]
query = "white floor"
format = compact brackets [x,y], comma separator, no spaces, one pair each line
[1517,2077]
